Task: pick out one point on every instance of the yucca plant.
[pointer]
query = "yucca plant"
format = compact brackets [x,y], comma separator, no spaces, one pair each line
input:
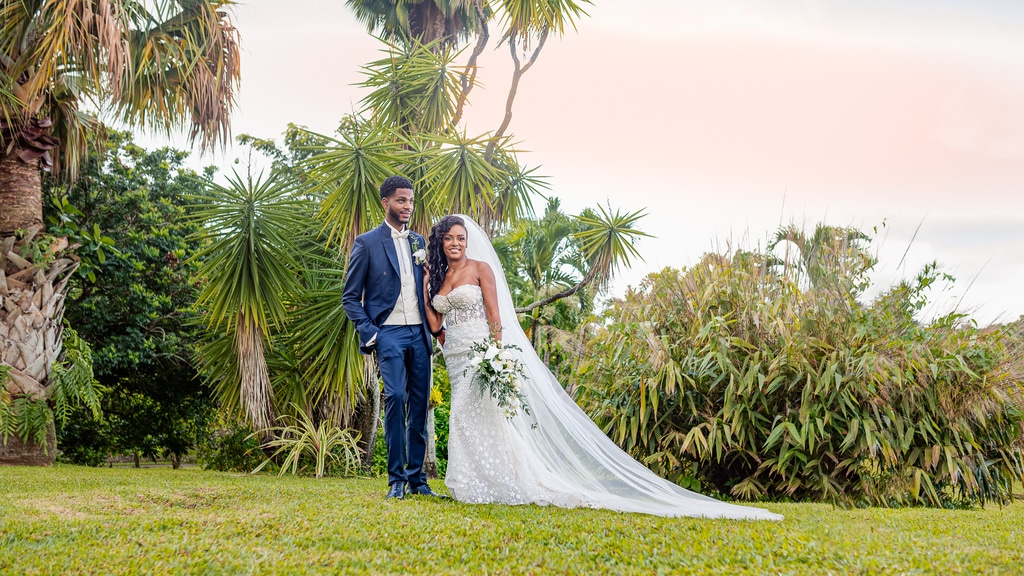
[249,269]
[299,440]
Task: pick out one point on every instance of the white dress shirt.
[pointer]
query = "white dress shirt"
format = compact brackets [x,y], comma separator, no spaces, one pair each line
[407,308]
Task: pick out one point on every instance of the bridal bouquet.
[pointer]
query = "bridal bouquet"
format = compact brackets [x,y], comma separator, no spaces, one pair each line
[499,373]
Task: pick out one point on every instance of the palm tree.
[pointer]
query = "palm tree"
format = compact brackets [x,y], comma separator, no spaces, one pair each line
[249,273]
[442,24]
[607,241]
[545,256]
[425,21]
[153,65]
[833,257]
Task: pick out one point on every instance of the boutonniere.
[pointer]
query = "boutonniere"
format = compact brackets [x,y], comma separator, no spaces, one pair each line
[419,255]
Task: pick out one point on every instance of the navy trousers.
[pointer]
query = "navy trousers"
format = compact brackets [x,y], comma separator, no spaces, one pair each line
[405,369]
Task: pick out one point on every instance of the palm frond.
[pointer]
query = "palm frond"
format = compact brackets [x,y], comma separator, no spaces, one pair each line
[607,240]
[348,171]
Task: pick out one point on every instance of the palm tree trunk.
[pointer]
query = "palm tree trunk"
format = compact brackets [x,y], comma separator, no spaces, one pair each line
[430,459]
[257,396]
[20,193]
[17,453]
[31,310]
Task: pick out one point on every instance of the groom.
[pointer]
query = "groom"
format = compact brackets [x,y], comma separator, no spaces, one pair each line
[384,298]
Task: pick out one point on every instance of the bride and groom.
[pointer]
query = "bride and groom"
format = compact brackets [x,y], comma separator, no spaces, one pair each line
[555,455]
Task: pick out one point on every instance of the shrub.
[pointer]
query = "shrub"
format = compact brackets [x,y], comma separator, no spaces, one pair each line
[740,376]
[229,448]
[304,442]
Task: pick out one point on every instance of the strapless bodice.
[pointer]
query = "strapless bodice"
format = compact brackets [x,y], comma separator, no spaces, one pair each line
[463,304]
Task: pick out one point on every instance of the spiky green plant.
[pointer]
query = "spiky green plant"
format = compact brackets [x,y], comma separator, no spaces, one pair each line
[300,440]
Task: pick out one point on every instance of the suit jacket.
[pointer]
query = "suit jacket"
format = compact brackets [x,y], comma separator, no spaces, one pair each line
[374,283]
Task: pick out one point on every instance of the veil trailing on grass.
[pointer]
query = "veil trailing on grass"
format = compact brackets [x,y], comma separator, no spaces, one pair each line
[568,444]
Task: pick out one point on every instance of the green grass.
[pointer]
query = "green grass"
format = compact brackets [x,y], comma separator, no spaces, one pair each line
[72,520]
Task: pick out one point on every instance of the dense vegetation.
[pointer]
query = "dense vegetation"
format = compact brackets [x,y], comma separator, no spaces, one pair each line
[766,377]
[133,302]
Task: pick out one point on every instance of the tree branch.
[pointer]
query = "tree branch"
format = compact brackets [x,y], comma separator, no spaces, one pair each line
[468,77]
[517,74]
[591,275]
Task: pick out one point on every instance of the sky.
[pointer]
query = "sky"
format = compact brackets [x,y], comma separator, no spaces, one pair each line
[726,119]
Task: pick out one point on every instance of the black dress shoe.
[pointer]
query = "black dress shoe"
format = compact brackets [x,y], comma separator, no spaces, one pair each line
[425,490]
[397,490]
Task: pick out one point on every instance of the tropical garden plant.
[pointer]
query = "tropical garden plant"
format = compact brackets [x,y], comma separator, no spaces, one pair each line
[300,439]
[132,299]
[304,355]
[62,63]
[748,377]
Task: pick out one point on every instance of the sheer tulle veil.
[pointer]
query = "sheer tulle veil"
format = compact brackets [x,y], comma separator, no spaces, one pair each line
[568,444]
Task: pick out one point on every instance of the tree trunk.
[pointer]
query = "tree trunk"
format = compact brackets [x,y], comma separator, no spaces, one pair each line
[368,412]
[20,193]
[17,453]
[31,310]
[430,460]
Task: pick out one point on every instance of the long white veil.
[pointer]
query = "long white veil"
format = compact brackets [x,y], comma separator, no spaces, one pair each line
[571,446]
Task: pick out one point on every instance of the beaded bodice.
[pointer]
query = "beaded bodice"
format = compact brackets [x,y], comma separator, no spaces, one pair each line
[464,317]
[463,304]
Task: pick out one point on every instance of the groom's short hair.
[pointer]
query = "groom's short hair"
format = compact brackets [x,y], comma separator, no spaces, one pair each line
[394,183]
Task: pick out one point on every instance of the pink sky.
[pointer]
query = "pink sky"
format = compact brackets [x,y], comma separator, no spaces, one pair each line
[724,119]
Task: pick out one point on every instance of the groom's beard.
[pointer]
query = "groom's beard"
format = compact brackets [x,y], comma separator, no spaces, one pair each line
[397,217]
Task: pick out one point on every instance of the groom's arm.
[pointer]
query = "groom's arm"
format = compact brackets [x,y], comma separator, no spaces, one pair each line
[352,296]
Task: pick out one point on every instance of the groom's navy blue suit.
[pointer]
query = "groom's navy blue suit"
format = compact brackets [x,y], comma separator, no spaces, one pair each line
[372,289]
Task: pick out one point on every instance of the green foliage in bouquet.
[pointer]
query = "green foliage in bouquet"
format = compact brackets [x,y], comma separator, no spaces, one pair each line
[499,374]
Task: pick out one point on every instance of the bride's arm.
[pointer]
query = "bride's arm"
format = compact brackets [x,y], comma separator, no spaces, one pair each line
[490,293]
[434,318]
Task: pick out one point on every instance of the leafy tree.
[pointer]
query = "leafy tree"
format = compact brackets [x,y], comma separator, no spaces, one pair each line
[136,309]
[152,65]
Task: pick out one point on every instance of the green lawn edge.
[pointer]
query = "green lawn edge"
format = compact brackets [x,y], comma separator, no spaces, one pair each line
[77,520]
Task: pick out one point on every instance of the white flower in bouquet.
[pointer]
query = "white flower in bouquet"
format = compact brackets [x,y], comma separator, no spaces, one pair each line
[499,373]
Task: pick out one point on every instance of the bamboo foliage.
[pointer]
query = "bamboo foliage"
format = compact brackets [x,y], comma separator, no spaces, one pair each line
[730,376]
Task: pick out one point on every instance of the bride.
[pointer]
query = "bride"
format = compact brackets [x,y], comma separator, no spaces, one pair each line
[554,455]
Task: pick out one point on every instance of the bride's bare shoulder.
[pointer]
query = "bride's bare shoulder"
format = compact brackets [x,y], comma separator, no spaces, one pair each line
[483,269]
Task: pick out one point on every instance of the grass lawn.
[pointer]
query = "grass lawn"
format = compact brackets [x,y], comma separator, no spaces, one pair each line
[72,520]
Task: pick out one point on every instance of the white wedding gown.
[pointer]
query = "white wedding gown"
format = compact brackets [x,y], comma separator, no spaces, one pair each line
[555,455]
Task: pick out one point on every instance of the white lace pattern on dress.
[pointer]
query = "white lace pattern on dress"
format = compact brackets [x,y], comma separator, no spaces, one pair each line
[486,460]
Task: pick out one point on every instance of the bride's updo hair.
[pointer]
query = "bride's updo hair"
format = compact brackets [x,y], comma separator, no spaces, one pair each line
[436,259]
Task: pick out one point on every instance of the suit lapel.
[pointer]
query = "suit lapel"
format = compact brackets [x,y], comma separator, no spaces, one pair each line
[389,247]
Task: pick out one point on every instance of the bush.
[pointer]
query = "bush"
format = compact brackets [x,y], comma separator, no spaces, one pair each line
[229,448]
[746,377]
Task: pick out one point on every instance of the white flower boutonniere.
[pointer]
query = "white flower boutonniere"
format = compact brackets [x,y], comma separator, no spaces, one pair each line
[419,255]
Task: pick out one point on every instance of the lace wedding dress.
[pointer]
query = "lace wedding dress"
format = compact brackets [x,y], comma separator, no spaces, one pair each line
[555,455]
